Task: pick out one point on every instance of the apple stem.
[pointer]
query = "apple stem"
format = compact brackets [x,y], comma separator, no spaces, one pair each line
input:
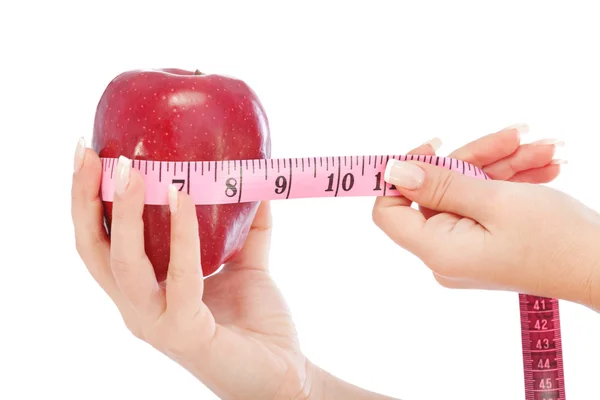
[197,72]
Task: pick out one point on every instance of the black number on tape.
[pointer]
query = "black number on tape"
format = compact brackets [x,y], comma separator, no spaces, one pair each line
[281,184]
[378,183]
[231,189]
[179,181]
[347,182]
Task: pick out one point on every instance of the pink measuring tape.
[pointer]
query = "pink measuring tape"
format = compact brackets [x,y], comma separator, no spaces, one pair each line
[235,181]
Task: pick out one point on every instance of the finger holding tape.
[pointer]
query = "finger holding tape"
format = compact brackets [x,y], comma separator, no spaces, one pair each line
[427,148]
[131,267]
[185,281]
[388,212]
[442,190]
[487,150]
[457,199]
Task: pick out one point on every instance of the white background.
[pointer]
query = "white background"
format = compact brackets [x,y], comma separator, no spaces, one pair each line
[335,78]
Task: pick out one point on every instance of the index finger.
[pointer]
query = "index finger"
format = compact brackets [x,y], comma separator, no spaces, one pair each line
[130,265]
[491,148]
[185,280]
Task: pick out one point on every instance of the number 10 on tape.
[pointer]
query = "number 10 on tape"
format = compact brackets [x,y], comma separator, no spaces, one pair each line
[236,181]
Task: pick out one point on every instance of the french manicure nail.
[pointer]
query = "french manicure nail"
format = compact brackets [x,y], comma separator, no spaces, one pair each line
[435,143]
[521,128]
[558,161]
[123,173]
[404,174]
[79,154]
[173,201]
[556,142]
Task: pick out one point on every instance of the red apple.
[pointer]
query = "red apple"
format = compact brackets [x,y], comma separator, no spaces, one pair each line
[178,115]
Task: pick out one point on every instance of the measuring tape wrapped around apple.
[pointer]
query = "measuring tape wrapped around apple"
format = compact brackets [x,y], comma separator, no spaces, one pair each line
[208,135]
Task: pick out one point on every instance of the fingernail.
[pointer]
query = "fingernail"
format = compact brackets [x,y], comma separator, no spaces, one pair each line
[404,174]
[123,172]
[435,143]
[173,201]
[559,161]
[79,154]
[521,128]
[555,142]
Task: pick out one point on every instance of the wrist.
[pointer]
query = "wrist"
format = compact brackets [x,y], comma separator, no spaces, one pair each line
[574,270]
[588,256]
[594,285]
[325,386]
[315,377]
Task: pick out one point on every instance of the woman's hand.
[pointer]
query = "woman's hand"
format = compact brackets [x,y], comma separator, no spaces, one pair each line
[502,234]
[233,330]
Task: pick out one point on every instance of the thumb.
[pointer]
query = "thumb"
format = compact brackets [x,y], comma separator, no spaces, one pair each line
[451,194]
[444,190]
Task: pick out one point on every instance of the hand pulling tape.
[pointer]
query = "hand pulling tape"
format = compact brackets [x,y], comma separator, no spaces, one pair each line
[236,181]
